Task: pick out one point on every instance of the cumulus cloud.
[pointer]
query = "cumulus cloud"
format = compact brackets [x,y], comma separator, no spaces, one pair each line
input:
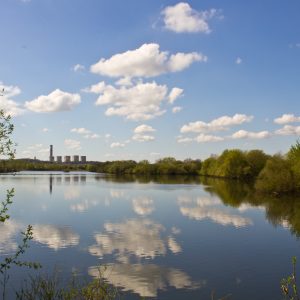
[176,109]
[219,124]
[78,68]
[97,88]
[143,137]
[288,130]
[117,145]
[143,128]
[287,118]
[174,94]
[10,106]
[81,130]
[72,144]
[140,102]
[54,102]
[146,61]
[92,136]
[126,81]
[243,134]
[184,140]
[183,18]
[87,134]
[205,138]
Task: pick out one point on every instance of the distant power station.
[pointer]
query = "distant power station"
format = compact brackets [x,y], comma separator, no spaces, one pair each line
[67,158]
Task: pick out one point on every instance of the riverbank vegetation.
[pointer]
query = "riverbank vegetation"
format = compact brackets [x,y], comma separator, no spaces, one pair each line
[277,174]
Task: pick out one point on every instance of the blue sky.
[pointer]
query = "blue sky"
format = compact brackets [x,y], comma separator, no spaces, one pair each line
[141,79]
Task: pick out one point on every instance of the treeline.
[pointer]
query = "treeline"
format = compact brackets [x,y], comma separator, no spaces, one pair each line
[17,165]
[164,166]
[277,174]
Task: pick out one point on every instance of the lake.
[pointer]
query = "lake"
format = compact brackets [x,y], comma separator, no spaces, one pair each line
[165,238]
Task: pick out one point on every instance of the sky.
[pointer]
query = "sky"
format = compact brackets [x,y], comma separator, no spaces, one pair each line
[140,79]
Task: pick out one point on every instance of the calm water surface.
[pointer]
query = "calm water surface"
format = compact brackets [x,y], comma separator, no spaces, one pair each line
[161,238]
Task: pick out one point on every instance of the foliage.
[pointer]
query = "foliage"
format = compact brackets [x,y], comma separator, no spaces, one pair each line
[51,288]
[6,129]
[294,159]
[256,160]
[289,284]
[276,177]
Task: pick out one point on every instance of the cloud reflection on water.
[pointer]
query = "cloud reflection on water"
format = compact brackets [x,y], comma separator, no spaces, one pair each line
[55,237]
[8,234]
[203,208]
[143,206]
[145,279]
[139,237]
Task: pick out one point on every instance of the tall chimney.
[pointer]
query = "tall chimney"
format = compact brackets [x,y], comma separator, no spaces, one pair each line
[51,158]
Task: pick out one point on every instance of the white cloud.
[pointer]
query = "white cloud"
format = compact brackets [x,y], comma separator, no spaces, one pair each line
[87,134]
[139,102]
[174,94]
[204,138]
[243,134]
[219,124]
[183,18]
[143,138]
[72,144]
[78,67]
[126,81]
[107,135]
[176,109]
[10,106]
[287,118]
[54,102]
[238,61]
[143,128]
[184,140]
[117,145]
[92,136]
[80,130]
[97,88]
[146,61]
[45,130]
[288,130]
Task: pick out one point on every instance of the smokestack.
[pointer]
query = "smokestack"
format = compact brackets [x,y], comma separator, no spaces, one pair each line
[51,158]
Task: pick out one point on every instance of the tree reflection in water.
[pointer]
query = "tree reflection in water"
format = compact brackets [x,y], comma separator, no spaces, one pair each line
[283,211]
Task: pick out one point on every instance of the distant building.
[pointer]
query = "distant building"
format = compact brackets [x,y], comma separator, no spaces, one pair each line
[75,158]
[51,157]
[59,159]
[67,159]
[83,159]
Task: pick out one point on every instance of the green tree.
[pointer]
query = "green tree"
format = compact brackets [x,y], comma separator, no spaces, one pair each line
[294,159]
[276,177]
